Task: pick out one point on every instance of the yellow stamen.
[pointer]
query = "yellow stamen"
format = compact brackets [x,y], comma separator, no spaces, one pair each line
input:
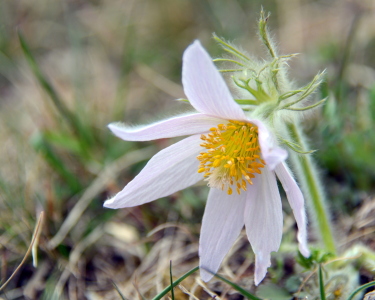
[232,156]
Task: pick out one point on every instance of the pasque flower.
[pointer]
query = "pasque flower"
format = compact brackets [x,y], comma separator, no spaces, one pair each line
[237,155]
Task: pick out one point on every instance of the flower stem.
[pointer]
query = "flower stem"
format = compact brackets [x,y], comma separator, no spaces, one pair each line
[308,177]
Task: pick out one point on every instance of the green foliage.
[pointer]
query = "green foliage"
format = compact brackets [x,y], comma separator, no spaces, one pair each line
[361,288]
[274,292]
[171,279]
[317,257]
[321,283]
[63,78]
[175,283]
[239,289]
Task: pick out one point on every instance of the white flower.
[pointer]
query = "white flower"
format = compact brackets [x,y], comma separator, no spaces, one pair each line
[237,156]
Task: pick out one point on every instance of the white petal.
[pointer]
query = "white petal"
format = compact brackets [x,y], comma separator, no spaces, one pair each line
[296,201]
[205,87]
[221,225]
[177,126]
[271,153]
[263,220]
[172,169]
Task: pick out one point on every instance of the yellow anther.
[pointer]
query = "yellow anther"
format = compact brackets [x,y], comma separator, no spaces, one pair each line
[231,156]
[230,191]
[233,170]
[216,163]
[243,185]
[248,179]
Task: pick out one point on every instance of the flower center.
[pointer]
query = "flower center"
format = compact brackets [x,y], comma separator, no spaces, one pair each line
[232,156]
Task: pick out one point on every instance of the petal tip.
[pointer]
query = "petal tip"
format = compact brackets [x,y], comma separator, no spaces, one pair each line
[110,203]
[304,250]
[271,152]
[259,276]
[275,157]
[193,51]
[113,127]
[261,265]
[195,45]
[205,275]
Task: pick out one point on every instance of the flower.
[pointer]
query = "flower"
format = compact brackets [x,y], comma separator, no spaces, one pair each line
[237,156]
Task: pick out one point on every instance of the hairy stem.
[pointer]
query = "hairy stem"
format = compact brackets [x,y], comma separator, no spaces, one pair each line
[312,186]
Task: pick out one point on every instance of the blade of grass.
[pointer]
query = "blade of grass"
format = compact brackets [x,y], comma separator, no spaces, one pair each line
[43,81]
[361,288]
[239,289]
[40,144]
[36,234]
[128,60]
[72,120]
[118,290]
[347,51]
[321,284]
[170,276]
[167,289]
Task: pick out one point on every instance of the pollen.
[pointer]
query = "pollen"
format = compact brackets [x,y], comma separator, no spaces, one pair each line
[231,156]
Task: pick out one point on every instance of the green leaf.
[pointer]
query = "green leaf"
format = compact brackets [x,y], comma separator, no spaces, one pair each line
[170,276]
[75,124]
[361,288]
[239,289]
[167,289]
[307,107]
[274,292]
[40,144]
[263,33]
[321,284]
[231,49]
[306,262]
[246,101]
[64,141]
[229,60]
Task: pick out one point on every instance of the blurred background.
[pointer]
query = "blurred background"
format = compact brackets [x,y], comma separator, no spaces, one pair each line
[84,64]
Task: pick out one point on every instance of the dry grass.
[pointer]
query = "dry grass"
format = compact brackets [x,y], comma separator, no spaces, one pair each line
[121,60]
